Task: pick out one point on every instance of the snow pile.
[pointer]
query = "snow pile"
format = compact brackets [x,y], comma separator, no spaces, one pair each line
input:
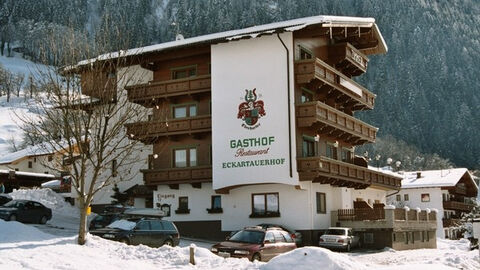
[47,197]
[446,244]
[13,231]
[313,258]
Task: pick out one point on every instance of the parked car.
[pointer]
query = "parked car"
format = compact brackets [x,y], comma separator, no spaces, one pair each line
[25,211]
[255,243]
[102,220]
[152,232]
[339,238]
[297,236]
[4,198]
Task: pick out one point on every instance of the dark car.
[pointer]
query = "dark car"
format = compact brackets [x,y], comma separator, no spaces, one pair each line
[102,220]
[297,236]
[152,232]
[25,211]
[4,198]
[255,244]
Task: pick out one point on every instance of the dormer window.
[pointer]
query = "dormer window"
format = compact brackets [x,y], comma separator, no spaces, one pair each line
[305,54]
[184,72]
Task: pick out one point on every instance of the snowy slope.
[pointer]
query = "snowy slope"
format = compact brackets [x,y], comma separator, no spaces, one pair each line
[8,121]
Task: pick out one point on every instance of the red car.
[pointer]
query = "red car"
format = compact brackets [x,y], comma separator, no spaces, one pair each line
[255,244]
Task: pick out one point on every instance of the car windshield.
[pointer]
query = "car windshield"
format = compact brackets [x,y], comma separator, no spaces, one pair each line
[15,204]
[335,232]
[122,224]
[254,237]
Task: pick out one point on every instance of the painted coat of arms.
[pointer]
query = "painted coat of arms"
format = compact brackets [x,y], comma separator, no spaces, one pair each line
[251,110]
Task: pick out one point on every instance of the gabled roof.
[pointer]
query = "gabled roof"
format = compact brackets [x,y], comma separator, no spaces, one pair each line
[31,151]
[252,32]
[435,178]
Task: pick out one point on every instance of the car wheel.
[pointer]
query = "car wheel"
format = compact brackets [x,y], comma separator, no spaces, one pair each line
[348,248]
[12,218]
[43,220]
[256,257]
[168,243]
[125,241]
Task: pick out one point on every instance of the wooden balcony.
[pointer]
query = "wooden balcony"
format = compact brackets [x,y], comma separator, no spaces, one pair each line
[148,94]
[150,131]
[329,121]
[333,85]
[451,222]
[337,173]
[171,176]
[347,59]
[459,206]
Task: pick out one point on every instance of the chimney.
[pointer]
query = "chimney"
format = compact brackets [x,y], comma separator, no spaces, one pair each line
[419,174]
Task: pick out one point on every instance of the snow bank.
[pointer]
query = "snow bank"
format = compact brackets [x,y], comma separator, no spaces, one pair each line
[47,197]
[12,231]
[313,258]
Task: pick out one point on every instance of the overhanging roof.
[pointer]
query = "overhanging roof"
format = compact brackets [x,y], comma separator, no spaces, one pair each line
[252,32]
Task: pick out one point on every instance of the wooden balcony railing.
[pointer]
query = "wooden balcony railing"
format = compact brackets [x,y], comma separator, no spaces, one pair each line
[460,206]
[148,94]
[358,214]
[451,222]
[348,59]
[177,175]
[338,173]
[345,90]
[150,131]
[334,122]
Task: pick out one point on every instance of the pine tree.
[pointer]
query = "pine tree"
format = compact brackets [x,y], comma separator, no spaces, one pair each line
[118,197]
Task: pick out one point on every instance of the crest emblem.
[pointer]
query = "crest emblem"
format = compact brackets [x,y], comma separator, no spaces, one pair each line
[251,110]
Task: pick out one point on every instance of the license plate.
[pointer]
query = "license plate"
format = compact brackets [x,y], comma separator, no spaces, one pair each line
[330,240]
[224,254]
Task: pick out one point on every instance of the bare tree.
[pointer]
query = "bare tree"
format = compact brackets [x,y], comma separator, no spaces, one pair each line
[84,117]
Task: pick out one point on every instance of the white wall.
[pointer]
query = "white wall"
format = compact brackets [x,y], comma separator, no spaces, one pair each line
[415,200]
[40,164]
[297,205]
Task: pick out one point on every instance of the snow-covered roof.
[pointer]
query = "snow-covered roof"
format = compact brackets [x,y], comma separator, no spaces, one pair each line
[35,150]
[385,170]
[31,174]
[434,178]
[252,32]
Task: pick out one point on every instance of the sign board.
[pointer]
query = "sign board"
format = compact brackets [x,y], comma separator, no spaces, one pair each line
[253,136]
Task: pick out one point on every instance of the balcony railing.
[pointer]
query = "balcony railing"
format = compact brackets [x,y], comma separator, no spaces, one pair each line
[451,222]
[460,206]
[148,94]
[338,173]
[376,214]
[150,131]
[345,90]
[345,127]
[348,59]
[177,175]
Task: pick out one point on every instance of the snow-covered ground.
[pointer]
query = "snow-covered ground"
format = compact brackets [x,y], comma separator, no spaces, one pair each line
[51,247]
[17,106]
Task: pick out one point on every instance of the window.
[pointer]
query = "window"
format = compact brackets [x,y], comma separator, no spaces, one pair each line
[269,238]
[307,95]
[216,205]
[34,159]
[50,158]
[346,155]
[182,206]
[423,236]
[394,237]
[405,197]
[308,146]
[331,151]
[305,54]
[425,197]
[185,157]
[181,111]
[156,225]
[150,162]
[143,226]
[114,168]
[321,203]
[406,237]
[30,164]
[278,237]
[399,198]
[184,72]
[265,205]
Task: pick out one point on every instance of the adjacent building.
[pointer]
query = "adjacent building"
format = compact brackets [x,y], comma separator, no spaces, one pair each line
[451,191]
[258,125]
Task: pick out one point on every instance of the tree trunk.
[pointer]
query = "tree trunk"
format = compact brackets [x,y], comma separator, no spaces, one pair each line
[82,230]
[2,47]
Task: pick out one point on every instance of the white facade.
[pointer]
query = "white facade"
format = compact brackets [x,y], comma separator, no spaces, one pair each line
[415,200]
[250,116]
[297,206]
[131,174]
